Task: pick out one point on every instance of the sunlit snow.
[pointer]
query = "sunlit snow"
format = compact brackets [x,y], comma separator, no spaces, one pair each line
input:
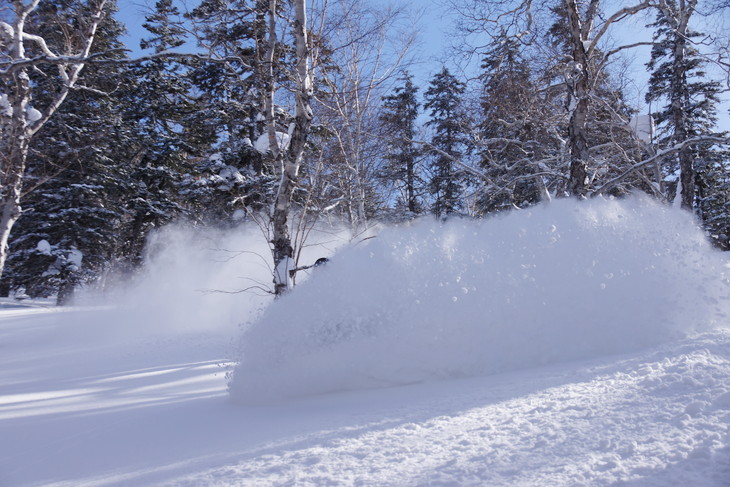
[262,143]
[5,108]
[432,301]
[573,344]
[32,115]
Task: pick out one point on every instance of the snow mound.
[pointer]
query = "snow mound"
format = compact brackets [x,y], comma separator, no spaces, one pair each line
[431,300]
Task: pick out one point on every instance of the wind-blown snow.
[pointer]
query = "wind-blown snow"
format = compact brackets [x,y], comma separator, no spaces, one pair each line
[202,281]
[430,301]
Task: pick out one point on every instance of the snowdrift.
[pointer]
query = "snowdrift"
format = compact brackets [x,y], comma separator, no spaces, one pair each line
[433,300]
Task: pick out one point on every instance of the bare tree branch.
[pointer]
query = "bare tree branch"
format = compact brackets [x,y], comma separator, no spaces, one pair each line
[609,185]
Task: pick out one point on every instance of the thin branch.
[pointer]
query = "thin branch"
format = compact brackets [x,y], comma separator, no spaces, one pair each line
[661,154]
[237,291]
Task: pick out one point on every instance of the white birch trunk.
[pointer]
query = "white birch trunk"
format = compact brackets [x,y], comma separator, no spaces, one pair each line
[292,157]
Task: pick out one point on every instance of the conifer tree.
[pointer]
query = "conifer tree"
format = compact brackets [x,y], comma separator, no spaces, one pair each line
[77,171]
[165,91]
[161,106]
[400,111]
[713,196]
[513,141]
[234,103]
[679,81]
[449,122]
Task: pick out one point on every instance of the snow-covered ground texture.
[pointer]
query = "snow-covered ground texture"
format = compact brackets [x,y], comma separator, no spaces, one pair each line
[80,412]
[434,301]
[136,394]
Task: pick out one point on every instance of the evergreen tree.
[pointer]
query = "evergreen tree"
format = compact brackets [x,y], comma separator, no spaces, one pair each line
[166,102]
[232,102]
[158,106]
[513,140]
[400,110]
[690,102]
[447,117]
[161,106]
[713,196]
[76,169]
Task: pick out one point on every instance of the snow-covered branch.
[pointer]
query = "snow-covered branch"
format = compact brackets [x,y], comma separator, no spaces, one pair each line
[106,57]
[624,47]
[617,17]
[607,186]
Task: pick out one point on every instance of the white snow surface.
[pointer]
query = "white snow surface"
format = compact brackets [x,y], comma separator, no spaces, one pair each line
[262,142]
[135,394]
[44,247]
[5,108]
[75,256]
[32,115]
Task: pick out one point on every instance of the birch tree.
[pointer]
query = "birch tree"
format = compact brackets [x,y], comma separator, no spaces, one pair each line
[364,60]
[79,185]
[292,156]
[235,109]
[21,51]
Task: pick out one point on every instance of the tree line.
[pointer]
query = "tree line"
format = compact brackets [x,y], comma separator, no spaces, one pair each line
[286,113]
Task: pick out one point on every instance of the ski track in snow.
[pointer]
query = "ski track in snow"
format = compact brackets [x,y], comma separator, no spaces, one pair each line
[95,410]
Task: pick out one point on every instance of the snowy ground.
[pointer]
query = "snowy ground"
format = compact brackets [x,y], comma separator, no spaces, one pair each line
[104,396]
[77,410]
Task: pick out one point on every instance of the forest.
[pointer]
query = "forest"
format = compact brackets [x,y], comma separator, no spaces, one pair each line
[295,114]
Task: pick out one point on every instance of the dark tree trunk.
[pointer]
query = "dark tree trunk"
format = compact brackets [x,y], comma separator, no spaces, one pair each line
[579,91]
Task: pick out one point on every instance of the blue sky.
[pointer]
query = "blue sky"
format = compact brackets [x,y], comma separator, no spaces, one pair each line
[131,14]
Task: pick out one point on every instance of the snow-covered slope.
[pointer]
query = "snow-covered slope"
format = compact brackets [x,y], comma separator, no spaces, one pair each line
[86,411]
[118,396]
